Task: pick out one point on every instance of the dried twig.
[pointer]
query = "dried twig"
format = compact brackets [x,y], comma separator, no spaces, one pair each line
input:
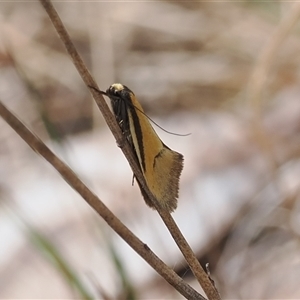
[194,264]
[142,249]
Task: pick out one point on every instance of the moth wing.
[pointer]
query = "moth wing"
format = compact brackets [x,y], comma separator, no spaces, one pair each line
[163,181]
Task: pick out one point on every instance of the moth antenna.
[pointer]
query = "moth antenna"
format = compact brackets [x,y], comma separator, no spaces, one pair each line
[97,90]
[169,132]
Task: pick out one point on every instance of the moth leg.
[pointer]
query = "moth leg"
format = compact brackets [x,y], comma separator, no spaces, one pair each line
[122,142]
[126,136]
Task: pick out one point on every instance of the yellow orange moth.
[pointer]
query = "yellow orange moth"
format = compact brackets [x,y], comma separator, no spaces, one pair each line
[160,165]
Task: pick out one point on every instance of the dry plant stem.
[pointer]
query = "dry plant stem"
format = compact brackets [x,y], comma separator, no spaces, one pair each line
[142,249]
[190,257]
[195,266]
[260,75]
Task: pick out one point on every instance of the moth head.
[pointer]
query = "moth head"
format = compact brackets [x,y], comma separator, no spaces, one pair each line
[118,91]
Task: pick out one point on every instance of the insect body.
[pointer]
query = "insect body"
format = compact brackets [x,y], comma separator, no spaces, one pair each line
[160,165]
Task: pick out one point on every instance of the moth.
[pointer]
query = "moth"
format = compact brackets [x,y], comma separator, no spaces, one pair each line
[160,165]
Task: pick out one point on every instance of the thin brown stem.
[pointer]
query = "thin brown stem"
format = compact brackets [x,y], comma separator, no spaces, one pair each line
[189,256]
[192,261]
[142,249]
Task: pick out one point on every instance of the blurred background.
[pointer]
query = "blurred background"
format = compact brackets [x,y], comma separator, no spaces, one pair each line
[193,66]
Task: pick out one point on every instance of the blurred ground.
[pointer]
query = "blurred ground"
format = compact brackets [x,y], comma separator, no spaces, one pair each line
[190,64]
